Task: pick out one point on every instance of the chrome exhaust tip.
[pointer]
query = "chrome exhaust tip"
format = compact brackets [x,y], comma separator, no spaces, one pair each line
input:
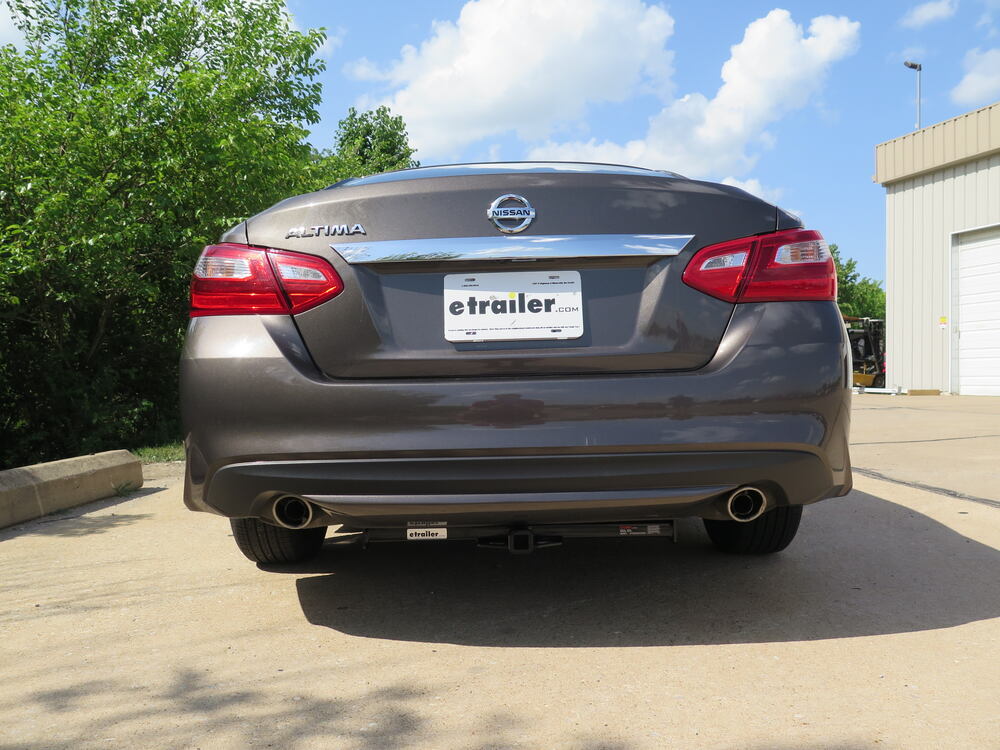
[292,512]
[746,504]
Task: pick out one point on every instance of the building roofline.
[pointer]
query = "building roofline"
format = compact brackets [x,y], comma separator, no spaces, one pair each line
[964,138]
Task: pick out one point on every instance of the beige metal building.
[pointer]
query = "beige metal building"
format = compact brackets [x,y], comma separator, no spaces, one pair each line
[943,255]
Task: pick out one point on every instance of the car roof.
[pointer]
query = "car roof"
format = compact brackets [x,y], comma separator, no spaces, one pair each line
[510,167]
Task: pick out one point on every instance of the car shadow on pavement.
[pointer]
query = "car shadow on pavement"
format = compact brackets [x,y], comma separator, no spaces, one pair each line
[860,566]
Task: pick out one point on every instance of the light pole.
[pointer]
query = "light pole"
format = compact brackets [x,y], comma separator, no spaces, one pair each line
[917,67]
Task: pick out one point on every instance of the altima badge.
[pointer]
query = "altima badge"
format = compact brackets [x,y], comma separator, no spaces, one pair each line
[325,230]
[511,208]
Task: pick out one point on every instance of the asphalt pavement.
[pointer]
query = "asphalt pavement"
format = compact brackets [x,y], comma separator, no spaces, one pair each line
[137,624]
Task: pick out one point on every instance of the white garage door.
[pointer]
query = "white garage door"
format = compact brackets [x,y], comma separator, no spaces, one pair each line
[979,314]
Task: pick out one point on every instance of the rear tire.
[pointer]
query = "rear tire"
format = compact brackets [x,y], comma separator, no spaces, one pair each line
[772,532]
[264,543]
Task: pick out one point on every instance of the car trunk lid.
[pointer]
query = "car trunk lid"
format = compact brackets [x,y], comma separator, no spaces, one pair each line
[418,254]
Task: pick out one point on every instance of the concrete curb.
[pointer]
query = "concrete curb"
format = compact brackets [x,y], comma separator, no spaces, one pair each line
[30,492]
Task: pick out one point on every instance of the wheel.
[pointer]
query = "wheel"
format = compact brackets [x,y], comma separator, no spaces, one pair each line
[879,381]
[772,532]
[264,543]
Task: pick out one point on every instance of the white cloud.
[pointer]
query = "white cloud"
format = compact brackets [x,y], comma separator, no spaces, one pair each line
[936,10]
[981,82]
[985,23]
[363,69]
[473,78]
[753,186]
[775,69]
[334,39]
[9,33]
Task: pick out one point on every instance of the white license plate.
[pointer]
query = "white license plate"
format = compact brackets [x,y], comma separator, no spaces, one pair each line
[514,306]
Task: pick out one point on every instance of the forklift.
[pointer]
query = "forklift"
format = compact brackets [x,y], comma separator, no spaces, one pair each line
[867,337]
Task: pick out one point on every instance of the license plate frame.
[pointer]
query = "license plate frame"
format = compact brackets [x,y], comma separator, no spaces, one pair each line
[513,306]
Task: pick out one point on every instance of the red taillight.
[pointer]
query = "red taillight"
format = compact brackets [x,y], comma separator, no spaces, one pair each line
[308,280]
[791,265]
[231,279]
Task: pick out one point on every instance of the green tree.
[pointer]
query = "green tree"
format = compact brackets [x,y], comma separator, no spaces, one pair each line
[858,296]
[367,143]
[132,132]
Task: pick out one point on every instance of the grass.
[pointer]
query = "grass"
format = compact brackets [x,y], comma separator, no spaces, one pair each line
[155,454]
[125,489]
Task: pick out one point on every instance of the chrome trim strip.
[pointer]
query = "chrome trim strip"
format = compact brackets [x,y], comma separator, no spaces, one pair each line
[513,248]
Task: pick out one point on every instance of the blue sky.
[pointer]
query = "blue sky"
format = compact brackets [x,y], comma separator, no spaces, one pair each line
[787,101]
[797,122]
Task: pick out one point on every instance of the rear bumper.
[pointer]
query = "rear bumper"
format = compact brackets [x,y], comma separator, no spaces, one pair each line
[521,490]
[771,409]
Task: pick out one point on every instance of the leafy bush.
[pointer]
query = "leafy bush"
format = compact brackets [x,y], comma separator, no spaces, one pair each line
[132,133]
[858,296]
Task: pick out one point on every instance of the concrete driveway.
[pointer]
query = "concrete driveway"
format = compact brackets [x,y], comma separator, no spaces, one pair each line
[137,624]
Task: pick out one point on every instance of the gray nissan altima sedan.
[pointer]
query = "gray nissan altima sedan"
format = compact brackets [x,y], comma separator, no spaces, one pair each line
[516,354]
